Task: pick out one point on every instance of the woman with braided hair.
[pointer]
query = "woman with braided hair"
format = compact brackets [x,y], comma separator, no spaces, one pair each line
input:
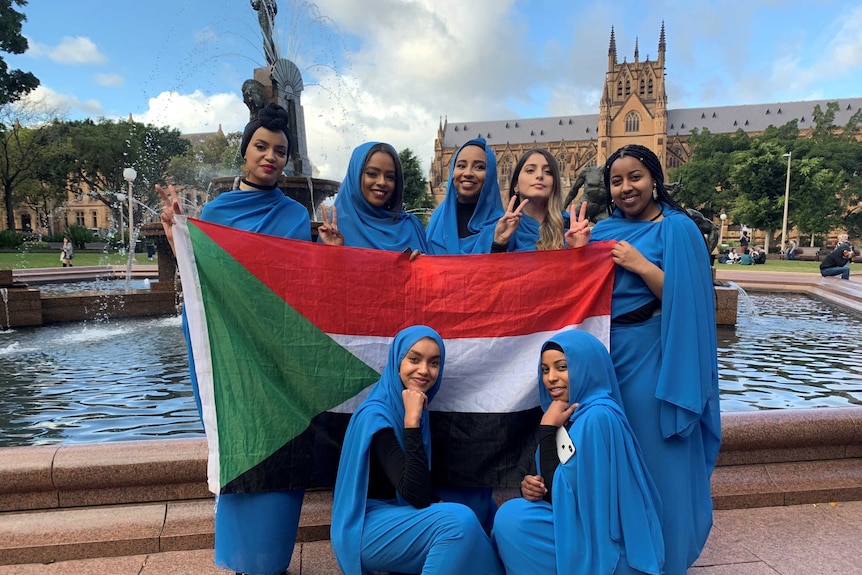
[663,343]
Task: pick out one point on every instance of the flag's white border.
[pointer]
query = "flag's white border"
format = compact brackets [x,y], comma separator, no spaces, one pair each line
[193,308]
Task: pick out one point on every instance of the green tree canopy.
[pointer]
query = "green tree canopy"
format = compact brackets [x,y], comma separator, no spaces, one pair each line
[417,197]
[13,83]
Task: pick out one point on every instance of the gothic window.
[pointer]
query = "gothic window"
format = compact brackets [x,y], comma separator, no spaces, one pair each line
[633,122]
[628,87]
[619,89]
[642,88]
[649,88]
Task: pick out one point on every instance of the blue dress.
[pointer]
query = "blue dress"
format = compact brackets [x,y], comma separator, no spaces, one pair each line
[604,518]
[442,231]
[366,226]
[668,373]
[255,532]
[377,535]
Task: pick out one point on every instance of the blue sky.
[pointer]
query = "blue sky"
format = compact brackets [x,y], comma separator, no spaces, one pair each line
[390,69]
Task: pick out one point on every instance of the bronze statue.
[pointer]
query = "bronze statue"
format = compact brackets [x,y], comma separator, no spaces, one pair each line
[707,227]
[592,179]
[254,96]
[266,11]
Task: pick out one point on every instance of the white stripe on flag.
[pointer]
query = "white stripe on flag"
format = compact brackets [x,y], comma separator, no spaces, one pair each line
[481,375]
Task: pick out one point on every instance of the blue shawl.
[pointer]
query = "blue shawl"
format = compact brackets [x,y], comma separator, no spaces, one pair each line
[442,231]
[365,226]
[605,501]
[383,408]
[688,381]
[264,212]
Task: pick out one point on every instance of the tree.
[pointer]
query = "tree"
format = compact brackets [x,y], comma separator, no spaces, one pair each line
[13,83]
[213,156]
[105,148]
[417,198]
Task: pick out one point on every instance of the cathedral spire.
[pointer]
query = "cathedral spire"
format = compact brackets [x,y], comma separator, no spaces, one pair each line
[636,49]
[612,51]
[661,46]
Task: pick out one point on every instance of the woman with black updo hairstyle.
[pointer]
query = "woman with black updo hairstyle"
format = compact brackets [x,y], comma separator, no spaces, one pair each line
[254,532]
[663,343]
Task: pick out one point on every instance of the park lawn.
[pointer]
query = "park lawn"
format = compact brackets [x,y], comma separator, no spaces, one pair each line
[18,260]
[775,266]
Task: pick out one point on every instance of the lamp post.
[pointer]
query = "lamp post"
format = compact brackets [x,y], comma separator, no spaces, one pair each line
[786,200]
[129,174]
[723,218]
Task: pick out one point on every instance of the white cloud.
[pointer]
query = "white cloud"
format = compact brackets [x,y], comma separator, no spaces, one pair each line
[195,112]
[110,80]
[64,104]
[71,50]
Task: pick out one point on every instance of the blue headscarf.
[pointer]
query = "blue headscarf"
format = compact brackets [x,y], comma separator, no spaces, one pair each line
[604,498]
[688,383]
[442,231]
[264,212]
[383,408]
[365,226]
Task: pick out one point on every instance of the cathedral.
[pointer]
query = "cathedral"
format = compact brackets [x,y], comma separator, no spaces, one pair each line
[633,110]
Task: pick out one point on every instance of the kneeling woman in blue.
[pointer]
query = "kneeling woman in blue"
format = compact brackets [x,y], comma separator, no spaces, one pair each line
[368,208]
[384,515]
[593,511]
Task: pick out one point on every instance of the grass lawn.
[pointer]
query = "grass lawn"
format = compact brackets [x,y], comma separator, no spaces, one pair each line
[17,260]
[773,266]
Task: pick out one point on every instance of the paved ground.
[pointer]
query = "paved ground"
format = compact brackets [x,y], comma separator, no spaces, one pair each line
[821,539]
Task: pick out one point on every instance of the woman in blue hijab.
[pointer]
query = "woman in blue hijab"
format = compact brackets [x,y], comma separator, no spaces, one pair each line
[368,208]
[593,510]
[384,513]
[536,189]
[471,219]
[663,343]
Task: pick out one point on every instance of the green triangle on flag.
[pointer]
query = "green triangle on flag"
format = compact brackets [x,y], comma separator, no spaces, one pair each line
[273,370]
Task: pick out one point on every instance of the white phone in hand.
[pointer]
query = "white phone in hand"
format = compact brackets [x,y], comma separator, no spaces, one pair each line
[565,447]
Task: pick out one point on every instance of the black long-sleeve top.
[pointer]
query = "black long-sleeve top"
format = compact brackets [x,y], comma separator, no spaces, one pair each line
[405,471]
[548,458]
[464,212]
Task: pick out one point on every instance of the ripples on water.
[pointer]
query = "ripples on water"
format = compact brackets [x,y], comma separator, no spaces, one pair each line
[797,353]
[80,383]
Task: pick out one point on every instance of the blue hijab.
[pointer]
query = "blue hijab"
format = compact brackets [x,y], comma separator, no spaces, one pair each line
[688,380]
[442,231]
[264,212]
[365,226]
[604,498]
[383,408]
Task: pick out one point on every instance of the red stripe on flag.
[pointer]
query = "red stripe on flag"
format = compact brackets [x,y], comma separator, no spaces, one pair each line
[376,293]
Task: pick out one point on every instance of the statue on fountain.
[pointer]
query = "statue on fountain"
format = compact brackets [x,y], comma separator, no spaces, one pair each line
[595,195]
[279,82]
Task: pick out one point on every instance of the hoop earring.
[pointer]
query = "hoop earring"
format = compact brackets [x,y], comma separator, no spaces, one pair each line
[654,191]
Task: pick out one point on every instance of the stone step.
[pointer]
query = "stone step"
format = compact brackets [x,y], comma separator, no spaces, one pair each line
[49,536]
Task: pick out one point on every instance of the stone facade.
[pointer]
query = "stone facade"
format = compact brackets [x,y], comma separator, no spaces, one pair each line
[633,109]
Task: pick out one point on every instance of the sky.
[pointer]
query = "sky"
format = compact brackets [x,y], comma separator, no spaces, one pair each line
[390,70]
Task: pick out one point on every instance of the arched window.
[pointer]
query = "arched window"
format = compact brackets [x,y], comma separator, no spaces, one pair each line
[619,89]
[642,88]
[628,87]
[633,122]
[649,87]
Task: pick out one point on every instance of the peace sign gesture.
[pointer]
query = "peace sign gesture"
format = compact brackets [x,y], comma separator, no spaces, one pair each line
[579,228]
[171,207]
[328,230]
[507,225]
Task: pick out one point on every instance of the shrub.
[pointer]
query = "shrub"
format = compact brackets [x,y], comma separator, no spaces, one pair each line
[79,236]
[10,240]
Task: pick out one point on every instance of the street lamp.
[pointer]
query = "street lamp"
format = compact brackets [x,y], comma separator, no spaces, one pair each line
[723,218]
[786,200]
[129,174]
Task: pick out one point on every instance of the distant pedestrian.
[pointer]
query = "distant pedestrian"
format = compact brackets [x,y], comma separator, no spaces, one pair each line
[837,262]
[743,241]
[67,252]
[151,251]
